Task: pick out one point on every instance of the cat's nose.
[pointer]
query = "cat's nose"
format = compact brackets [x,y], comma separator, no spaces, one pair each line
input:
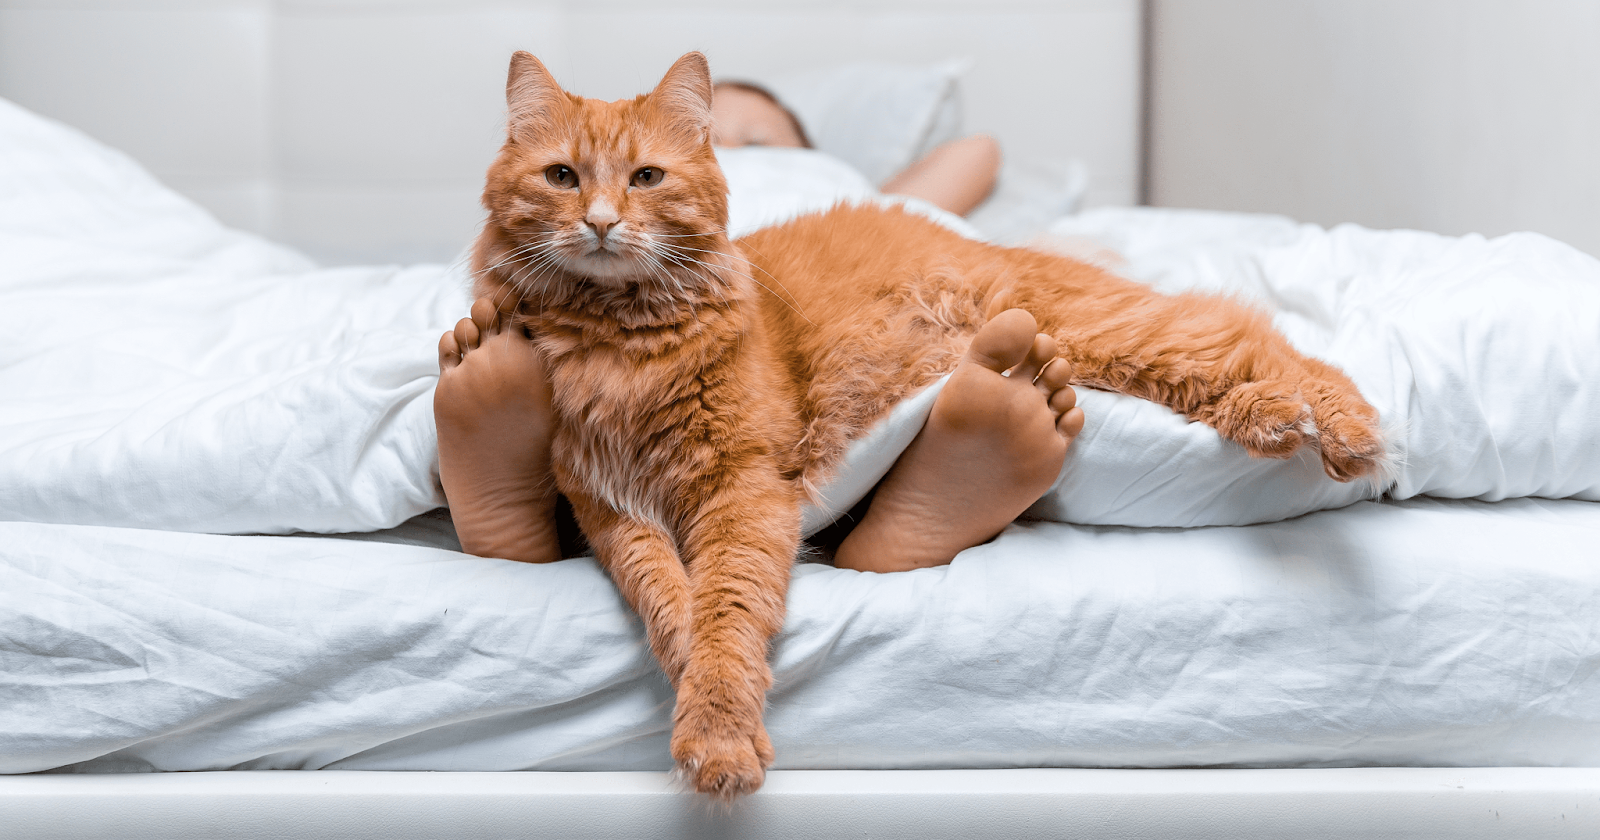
[602,216]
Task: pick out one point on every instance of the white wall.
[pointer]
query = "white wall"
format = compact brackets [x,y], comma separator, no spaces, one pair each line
[1448,115]
[359,130]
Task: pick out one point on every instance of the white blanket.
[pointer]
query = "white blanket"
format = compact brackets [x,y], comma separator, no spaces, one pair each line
[165,372]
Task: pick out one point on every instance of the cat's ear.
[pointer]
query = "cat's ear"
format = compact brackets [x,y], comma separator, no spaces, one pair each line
[684,94]
[532,95]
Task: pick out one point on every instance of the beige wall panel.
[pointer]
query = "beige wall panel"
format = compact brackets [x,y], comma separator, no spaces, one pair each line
[1448,115]
[359,130]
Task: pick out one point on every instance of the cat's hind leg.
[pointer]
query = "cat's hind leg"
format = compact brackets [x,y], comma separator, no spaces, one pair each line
[1290,400]
[1320,406]
[493,414]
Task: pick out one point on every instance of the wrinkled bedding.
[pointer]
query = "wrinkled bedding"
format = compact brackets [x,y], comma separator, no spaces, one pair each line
[172,386]
[1423,632]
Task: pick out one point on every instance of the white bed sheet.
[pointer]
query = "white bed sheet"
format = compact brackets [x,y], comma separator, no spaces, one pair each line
[1425,632]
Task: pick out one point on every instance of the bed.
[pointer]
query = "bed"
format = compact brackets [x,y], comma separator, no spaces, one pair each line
[222,550]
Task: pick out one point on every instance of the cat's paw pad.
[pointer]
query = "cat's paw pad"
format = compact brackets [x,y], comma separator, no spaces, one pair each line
[722,764]
[1269,419]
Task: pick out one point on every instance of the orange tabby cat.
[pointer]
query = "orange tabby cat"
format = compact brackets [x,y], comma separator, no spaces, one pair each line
[702,387]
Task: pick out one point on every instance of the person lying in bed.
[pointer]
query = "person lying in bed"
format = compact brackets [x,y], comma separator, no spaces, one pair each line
[992,445]
[956,176]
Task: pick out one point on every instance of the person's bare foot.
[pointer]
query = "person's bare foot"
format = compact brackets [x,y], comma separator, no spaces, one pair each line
[492,409]
[991,447]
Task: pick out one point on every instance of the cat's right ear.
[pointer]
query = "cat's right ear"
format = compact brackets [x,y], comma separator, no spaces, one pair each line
[532,95]
[685,94]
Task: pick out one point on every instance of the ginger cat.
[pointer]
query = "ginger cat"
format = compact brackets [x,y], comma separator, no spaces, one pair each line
[702,387]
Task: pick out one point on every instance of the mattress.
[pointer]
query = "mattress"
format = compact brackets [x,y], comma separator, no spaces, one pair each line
[1422,632]
[220,543]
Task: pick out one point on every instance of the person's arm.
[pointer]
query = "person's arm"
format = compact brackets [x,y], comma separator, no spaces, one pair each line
[956,176]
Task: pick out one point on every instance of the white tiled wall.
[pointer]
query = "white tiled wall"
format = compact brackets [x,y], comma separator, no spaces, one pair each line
[359,130]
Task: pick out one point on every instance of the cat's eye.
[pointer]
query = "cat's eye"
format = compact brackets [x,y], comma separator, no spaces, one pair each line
[649,176]
[561,176]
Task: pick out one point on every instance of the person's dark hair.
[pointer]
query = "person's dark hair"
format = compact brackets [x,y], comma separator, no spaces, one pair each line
[762,92]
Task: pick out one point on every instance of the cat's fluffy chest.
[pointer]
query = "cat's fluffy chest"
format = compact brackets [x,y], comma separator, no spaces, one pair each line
[649,433]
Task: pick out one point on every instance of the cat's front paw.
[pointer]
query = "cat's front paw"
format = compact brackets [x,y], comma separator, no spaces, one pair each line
[1348,433]
[720,755]
[1269,419]
[1351,443]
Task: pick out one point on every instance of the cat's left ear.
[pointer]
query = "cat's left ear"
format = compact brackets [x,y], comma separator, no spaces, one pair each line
[685,94]
[532,95]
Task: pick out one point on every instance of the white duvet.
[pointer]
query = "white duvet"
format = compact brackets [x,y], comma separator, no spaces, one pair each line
[162,371]
[166,380]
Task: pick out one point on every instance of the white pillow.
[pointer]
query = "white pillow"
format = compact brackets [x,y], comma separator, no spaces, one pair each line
[877,117]
[769,185]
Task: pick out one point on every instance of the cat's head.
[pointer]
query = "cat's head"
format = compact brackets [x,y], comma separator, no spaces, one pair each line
[617,194]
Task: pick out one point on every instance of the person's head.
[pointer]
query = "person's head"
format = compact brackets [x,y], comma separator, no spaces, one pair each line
[744,114]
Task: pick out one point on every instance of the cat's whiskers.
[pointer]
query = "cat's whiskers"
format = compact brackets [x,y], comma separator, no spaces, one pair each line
[667,265]
[514,255]
[536,256]
[677,251]
[662,273]
[731,254]
[721,268]
[683,255]
[539,268]
[707,233]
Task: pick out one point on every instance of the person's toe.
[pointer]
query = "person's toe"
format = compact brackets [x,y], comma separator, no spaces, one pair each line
[467,336]
[449,351]
[1040,352]
[485,316]
[1003,342]
[1056,375]
[1063,399]
[1070,424]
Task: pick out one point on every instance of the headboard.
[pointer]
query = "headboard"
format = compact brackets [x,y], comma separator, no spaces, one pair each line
[359,130]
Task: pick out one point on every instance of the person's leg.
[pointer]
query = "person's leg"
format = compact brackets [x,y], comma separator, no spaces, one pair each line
[991,447]
[492,409]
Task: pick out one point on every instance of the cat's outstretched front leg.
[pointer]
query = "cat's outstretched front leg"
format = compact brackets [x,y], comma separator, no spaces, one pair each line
[1222,363]
[642,560]
[1295,400]
[740,549]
